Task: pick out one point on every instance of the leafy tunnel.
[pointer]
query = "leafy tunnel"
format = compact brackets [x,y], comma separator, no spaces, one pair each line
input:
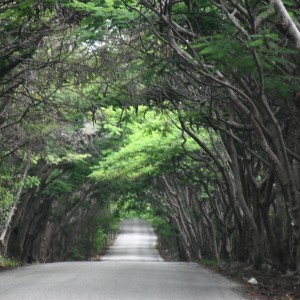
[185,113]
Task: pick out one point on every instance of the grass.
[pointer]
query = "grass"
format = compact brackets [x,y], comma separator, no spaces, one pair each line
[211,262]
[6,263]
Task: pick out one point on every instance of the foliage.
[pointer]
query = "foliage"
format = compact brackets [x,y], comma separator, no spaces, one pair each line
[103,16]
[94,239]
[151,143]
[8,190]
[8,262]
[31,181]
[162,228]
[211,262]
[132,206]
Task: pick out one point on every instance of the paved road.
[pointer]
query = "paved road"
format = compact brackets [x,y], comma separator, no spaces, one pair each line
[132,270]
[136,242]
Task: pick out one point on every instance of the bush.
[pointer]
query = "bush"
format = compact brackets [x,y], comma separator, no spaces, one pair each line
[8,262]
[94,237]
[162,228]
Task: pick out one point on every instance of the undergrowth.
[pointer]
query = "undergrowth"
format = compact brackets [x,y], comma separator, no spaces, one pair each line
[211,262]
[8,262]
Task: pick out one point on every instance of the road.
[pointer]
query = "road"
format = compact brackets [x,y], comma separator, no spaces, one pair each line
[131,270]
[136,242]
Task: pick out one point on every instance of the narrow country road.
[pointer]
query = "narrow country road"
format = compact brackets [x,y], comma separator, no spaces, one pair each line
[131,270]
[136,242]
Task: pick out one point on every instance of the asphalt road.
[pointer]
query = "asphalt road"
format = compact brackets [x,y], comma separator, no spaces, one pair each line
[136,242]
[131,270]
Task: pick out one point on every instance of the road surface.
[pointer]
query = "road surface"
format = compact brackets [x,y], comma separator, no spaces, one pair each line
[131,270]
[136,242]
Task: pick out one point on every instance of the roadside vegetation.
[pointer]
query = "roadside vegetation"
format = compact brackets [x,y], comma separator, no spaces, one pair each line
[7,263]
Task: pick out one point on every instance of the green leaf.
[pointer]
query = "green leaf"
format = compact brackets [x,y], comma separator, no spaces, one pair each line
[256,43]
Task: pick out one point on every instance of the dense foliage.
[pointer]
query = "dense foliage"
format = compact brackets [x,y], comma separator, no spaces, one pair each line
[185,109]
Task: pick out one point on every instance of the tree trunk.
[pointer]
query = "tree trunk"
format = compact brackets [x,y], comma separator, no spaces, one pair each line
[3,233]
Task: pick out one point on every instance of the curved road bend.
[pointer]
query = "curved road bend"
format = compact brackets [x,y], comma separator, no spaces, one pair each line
[131,270]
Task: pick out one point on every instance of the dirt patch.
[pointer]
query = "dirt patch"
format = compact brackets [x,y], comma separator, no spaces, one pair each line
[270,284]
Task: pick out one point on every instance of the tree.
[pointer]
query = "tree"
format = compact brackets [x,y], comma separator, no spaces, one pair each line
[218,74]
[216,153]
